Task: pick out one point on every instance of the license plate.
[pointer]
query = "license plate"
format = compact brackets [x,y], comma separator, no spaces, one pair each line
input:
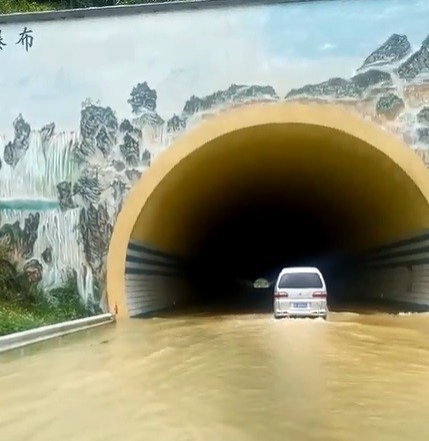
[299,305]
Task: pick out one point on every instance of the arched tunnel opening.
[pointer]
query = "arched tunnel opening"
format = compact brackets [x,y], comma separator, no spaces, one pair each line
[255,199]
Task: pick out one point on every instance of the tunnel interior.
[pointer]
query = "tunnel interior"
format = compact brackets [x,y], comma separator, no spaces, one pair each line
[252,201]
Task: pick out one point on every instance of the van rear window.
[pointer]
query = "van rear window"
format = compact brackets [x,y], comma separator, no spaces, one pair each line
[300,280]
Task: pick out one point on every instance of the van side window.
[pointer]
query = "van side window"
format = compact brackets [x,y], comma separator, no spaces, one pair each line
[300,280]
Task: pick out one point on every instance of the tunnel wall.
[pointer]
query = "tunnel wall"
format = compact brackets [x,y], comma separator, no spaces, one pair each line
[74,142]
[174,187]
[397,272]
[154,280]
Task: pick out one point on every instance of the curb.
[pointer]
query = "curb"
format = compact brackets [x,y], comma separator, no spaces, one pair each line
[36,335]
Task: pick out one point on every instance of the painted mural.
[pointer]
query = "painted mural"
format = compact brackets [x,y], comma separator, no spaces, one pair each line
[86,105]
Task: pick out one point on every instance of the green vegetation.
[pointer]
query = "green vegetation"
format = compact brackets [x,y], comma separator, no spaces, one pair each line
[24,305]
[11,6]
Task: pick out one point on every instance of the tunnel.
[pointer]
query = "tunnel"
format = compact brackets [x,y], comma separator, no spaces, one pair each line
[253,189]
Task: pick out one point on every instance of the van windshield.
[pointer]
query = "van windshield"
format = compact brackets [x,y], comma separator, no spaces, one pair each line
[300,280]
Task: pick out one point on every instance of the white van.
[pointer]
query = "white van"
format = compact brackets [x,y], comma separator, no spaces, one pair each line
[300,292]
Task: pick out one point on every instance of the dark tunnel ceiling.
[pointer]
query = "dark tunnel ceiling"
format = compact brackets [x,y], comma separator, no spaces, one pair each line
[269,195]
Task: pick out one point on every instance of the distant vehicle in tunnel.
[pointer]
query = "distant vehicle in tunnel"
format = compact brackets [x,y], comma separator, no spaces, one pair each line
[300,292]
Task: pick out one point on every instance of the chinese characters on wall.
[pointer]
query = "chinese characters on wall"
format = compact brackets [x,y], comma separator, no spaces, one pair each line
[25,39]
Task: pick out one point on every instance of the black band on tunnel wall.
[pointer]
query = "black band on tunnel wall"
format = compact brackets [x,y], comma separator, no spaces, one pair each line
[154,280]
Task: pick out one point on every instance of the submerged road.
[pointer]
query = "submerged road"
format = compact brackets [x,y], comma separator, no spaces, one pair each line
[224,378]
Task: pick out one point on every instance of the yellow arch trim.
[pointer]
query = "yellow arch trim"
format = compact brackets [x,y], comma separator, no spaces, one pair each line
[331,116]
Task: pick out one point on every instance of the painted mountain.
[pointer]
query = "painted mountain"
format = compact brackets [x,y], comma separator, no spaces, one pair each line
[60,192]
[391,87]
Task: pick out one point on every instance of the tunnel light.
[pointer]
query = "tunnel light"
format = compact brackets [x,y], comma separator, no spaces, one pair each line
[261,283]
[319,295]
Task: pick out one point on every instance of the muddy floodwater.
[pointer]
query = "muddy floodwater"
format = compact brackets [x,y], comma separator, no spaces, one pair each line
[224,378]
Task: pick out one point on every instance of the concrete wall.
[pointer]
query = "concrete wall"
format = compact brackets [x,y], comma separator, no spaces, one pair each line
[150,272]
[91,101]
[397,272]
[154,280]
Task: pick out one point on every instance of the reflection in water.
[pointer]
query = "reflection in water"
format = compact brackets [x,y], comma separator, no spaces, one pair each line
[221,378]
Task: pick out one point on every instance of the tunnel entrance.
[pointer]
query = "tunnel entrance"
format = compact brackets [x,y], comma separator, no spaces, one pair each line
[258,188]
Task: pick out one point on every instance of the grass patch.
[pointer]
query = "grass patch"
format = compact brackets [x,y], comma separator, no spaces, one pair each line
[38,308]
[16,318]
[11,6]
[24,305]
